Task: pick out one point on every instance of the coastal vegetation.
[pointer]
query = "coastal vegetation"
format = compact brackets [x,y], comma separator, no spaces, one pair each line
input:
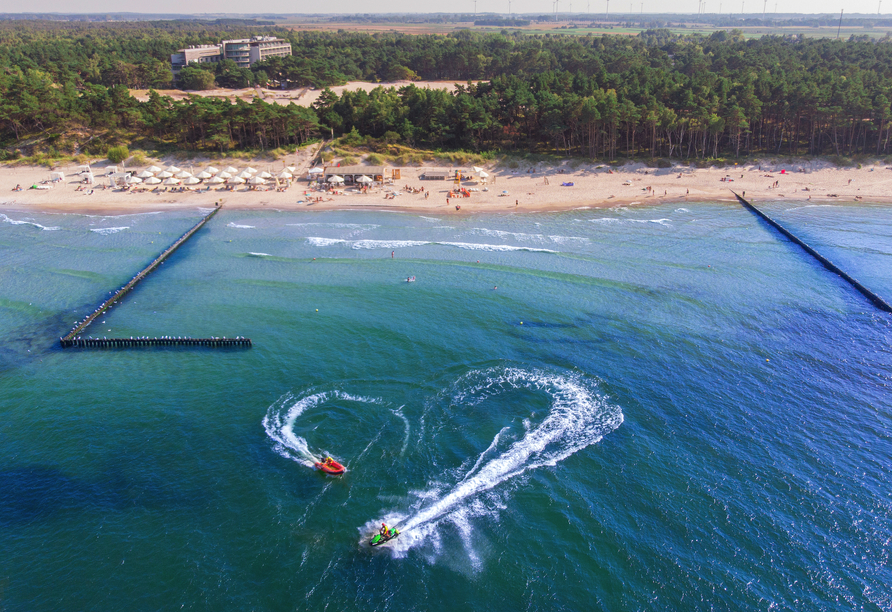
[65,89]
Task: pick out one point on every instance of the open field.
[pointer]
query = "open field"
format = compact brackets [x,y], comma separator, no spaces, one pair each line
[582,26]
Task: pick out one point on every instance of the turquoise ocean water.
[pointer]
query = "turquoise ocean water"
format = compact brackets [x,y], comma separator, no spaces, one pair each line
[662,408]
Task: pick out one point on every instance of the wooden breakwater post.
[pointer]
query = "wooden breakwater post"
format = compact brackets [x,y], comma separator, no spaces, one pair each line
[870,295]
[73,338]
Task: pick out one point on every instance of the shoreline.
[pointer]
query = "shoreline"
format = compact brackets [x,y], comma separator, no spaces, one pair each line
[521,189]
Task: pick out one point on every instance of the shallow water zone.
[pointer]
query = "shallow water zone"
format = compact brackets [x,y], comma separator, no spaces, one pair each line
[637,408]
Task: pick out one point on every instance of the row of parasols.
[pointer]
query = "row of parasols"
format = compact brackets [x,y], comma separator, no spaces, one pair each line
[153,175]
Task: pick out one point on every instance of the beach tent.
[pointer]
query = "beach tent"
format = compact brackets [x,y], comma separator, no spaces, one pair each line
[256,181]
[204,175]
[211,170]
[216,180]
[315,171]
[285,175]
[224,175]
[192,181]
[183,174]
[173,169]
[145,174]
[111,169]
[57,176]
[230,169]
[153,169]
[165,174]
[237,180]
[172,181]
[152,180]
[265,174]
[334,178]
[364,179]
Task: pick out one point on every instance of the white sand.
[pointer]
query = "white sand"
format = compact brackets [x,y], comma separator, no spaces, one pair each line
[526,191]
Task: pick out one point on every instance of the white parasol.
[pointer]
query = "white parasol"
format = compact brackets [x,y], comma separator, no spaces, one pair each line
[315,171]
[134,179]
[211,170]
[173,169]
[285,175]
[265,174]
[183,174]
[165,174]
[172,181]
[476,169]
[364,179]
[224,175]
[335,179]
[204,175]
[230,170]
[216,180]
[245,175]
[483,174]
[290,168]
[192,181]
[237,180]
[256,181]
[153,169]
[152,181]
[145,174]
[250,169]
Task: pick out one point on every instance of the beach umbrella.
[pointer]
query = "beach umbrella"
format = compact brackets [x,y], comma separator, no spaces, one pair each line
[476,169]
[250,169]
[363,179]
[183,174]
[135,179]
[237,180]
[334,178]
[204,175]
[285,175]
[290,168]
[245,174]
[165,174]
[153,169]
[256,181]
[265,174]
[172,181]
[224,175]
[192,181]
[211,170]
[216,181]
[152,180]
[315,171]
[145,174]
[483,174]
[231,170]
[173,169]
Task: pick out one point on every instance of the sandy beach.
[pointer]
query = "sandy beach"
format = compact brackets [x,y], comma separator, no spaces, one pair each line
[524,189]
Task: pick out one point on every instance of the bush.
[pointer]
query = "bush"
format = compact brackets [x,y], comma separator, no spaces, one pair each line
[118,154]
[374,159]
[138,159]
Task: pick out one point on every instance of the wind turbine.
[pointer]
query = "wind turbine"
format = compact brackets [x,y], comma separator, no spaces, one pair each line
[607,12]
[765,8]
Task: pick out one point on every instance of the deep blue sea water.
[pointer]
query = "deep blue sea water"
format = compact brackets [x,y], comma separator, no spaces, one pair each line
[661,408]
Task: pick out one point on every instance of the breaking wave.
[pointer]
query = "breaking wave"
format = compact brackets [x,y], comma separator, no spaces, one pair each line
[20,222]
[400,244]
[105,231]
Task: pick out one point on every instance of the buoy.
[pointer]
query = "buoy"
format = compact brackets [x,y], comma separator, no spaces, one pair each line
[521,322]
[317,310]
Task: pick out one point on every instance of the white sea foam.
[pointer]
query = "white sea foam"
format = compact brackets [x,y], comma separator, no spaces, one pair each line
[237,226]
[387,244]
[260,254]
[431,219]
[578,418]
[322,242]
[280,418]
[109,230]
[615,221]
[682,210]
[351,226]
[24,222]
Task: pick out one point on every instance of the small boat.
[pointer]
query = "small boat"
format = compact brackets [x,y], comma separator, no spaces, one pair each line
[379,539]
[330,466]
[411,279]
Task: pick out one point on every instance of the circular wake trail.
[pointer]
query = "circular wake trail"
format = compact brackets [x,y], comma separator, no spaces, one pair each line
[577,419]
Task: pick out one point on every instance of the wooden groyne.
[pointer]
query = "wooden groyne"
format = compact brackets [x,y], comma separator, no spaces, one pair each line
[870,295]
[163,341]
[73,338]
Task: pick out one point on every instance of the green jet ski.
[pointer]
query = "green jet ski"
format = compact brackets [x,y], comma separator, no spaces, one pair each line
[379,538]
